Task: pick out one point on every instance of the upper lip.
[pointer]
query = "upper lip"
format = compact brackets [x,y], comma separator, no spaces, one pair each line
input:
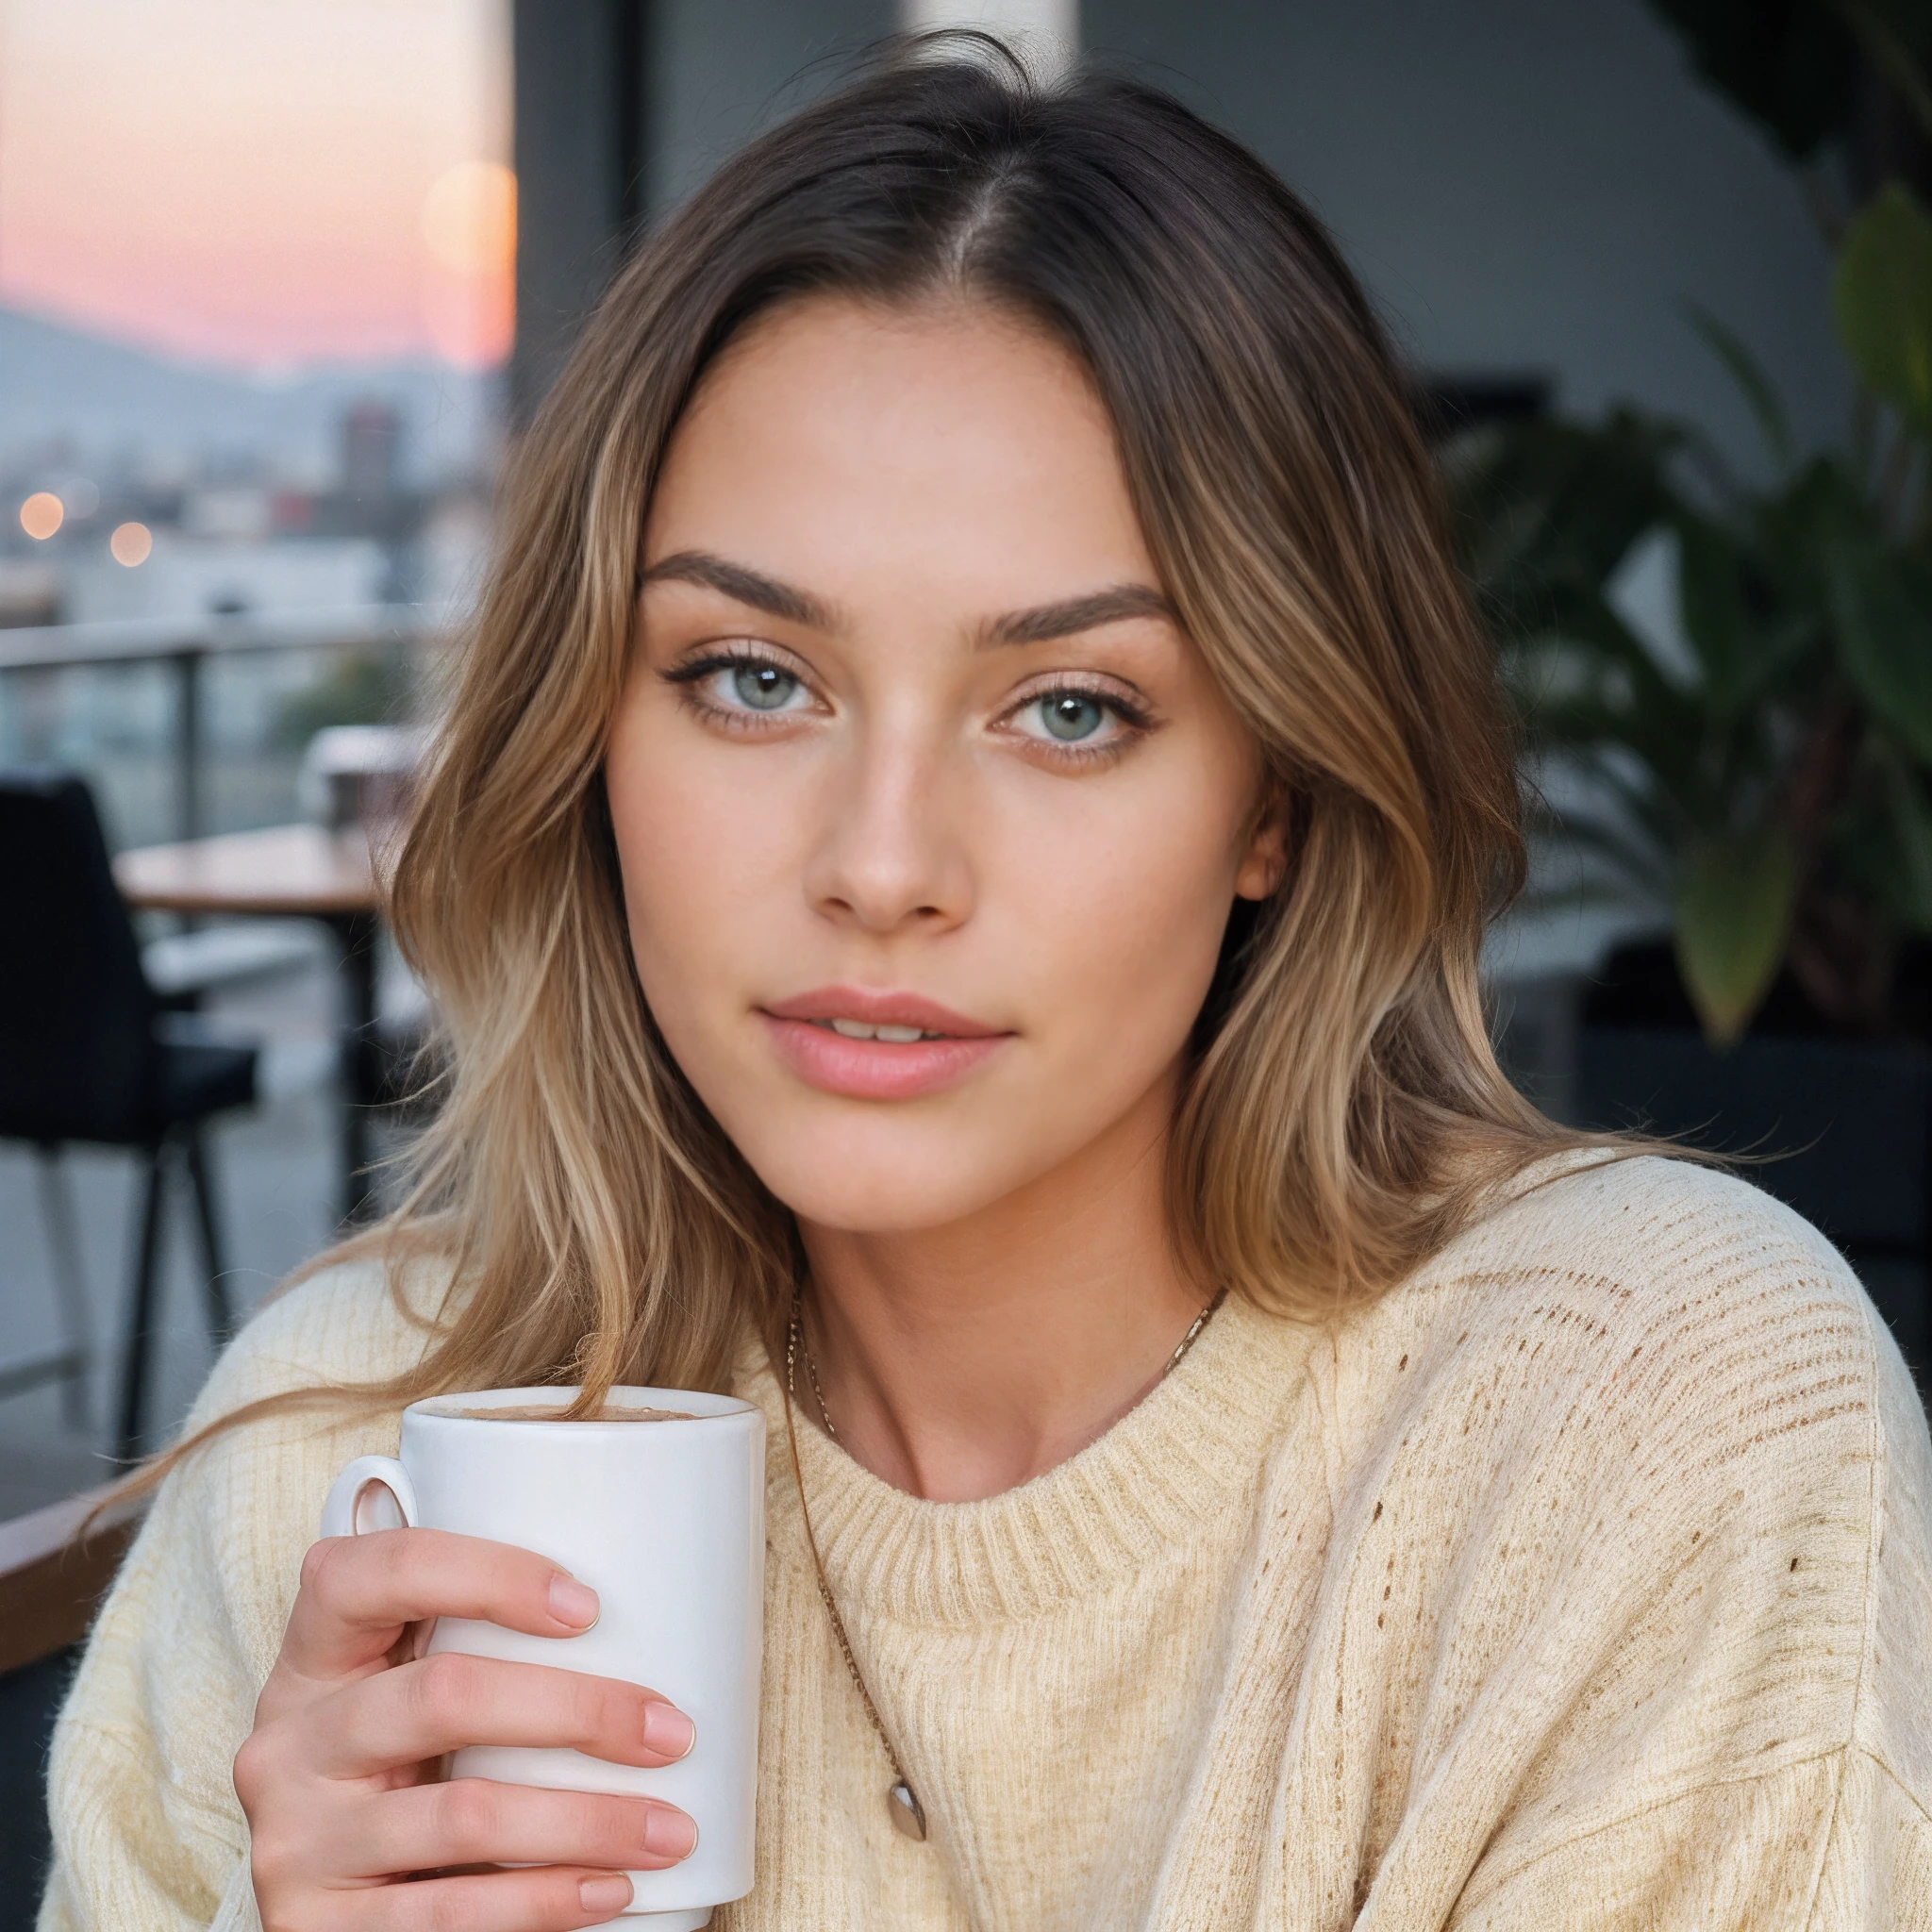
[879,1009]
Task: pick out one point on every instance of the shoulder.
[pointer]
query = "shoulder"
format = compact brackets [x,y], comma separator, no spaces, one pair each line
[166,1690]
[1649,1322]
[222,1543]
[360,1320]
[1642,1403]
[1642,1218]
[1649,1254]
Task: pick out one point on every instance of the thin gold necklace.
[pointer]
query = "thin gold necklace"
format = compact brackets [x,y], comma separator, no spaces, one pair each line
[902,1801]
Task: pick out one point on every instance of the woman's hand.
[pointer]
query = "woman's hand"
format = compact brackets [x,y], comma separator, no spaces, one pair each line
[341,1781]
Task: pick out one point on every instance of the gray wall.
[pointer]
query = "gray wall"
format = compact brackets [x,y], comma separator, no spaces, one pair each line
[622,107]
[581,148]
[1535,185]
[724,69]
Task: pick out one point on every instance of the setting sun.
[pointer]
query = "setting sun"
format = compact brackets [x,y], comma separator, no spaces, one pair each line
[469,282]
[470,218]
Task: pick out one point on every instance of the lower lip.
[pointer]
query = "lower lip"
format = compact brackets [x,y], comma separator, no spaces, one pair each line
[877,1069]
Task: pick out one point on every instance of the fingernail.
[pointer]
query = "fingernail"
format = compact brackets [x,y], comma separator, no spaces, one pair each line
[573,1602]
[667,1730]
[670,1834]
[608,1893]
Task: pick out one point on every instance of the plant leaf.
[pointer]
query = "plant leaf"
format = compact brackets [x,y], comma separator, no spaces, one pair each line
[1772,424]
[1716,607]
[1641,869]
[1792,69]
[1890,54]
[1881,298]
[1911,830]
[1546,509]
[1882,603]
[1733,901]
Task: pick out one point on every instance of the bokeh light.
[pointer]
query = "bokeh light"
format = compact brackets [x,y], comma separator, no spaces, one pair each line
[42,514]
[131,544]
[470,218]
[469,280]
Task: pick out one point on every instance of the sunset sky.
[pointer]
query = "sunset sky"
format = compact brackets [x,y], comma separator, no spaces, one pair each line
[261,183]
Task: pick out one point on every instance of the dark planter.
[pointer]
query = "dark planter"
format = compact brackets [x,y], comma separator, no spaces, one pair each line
[1841,1129]
[30,1697]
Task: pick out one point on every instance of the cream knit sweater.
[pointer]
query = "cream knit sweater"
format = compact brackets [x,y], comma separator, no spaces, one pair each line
[1585,1581]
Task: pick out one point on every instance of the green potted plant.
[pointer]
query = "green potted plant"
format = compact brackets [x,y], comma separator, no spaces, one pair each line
[1748,747]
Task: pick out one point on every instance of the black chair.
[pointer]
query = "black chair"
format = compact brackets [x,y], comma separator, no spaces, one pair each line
[86,1054]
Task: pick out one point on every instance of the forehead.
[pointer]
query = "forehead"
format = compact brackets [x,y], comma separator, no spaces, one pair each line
[837,443]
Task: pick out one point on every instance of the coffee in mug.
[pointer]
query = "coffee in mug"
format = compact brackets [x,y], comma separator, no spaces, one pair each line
[557,1413]
[667,1526]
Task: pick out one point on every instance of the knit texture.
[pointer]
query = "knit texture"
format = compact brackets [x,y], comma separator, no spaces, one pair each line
[1583,1581]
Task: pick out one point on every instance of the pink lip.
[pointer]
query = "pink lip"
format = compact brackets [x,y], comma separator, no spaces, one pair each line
[876,1069]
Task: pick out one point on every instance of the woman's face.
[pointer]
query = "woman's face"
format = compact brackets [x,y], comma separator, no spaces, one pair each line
[929,816]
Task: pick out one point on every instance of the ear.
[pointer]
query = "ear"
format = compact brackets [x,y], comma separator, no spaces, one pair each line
[1265,863]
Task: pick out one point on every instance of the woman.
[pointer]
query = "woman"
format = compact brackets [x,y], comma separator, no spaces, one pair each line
[957,864]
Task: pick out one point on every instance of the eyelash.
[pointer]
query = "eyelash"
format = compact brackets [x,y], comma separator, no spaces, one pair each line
[690,678]
[1136,719]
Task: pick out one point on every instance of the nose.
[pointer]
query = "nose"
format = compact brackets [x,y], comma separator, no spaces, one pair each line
[891,851]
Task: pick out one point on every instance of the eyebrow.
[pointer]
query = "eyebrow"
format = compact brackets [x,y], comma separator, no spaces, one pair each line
[1037,625]
[1045,622]
[743,586]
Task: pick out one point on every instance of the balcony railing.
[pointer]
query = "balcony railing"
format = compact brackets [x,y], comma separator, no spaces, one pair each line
[159,710]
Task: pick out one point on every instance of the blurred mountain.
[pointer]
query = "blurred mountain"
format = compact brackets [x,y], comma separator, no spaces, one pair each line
[85,400]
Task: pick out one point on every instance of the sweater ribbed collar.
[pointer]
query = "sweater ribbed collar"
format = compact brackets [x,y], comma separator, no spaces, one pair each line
[1191,1449]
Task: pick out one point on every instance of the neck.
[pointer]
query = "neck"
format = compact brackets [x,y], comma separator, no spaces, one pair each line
[962,1361]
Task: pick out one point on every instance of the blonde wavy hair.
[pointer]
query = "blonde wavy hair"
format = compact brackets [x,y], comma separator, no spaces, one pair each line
[1343,1112]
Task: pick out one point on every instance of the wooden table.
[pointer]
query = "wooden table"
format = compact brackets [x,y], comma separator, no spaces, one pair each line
[52,1578]
[288,871]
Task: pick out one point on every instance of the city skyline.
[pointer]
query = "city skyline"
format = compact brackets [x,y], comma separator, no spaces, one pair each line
[260,187]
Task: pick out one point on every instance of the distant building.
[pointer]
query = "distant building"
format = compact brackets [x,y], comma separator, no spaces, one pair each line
[372,451]
[371,499]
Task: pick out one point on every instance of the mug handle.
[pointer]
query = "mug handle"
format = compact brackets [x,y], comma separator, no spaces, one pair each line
[372,1493]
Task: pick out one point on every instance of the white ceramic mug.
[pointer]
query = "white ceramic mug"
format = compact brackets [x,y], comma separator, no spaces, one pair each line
[666,1522]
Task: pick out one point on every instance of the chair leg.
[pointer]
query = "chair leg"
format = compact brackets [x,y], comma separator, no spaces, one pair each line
[76,1318]
[220,1316]
[140,1312]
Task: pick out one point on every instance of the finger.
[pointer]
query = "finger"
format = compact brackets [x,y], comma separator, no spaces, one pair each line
[359,1592]
[474,1821]
[555,1898]
[420,1710]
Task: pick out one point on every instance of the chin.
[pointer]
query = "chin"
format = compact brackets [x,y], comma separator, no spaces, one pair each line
[890,1181]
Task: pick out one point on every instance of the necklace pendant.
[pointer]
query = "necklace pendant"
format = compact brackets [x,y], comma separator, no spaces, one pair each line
[908,1815]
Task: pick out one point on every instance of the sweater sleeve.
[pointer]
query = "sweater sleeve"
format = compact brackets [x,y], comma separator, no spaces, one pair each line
[1833,1844]
[1877,1864]
[1757,1752]
[148,1835]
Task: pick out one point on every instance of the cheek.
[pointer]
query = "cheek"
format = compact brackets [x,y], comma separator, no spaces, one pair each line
[699,858]
[1117,920]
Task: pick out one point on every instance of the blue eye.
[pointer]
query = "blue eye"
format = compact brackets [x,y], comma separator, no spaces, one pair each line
[1071,715]
[1086,721]
[764,687]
